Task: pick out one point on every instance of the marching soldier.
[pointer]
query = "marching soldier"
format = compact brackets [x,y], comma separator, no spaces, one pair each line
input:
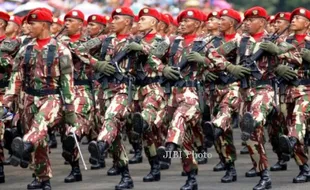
[56,26]
[297,97]
[43,69]
[4,18]
[226,94]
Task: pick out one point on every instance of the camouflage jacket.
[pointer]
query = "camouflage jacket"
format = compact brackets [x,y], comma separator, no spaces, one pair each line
[61,70]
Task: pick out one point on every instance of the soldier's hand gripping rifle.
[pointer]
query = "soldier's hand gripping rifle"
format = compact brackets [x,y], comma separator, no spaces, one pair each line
[183,63]
[250,62]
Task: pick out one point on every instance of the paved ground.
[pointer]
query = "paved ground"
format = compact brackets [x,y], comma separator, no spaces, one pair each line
[17,178]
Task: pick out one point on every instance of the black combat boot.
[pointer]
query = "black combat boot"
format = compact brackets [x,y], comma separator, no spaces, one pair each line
[68,146]
[114,170]
[244,150]
[46,185]
[280,165]
[211,133]
[264,182]
[286,146]
[137,158]
[304,174]
[2,177]
[75,174]
[221,165]
[251,173]
[203,159]
[139,125]
[164,152]
[35,184]
[185,174]
[126,181]
[97,151]
[52,143]
[231,174]
[132,151]
[191,183]
[154,174]
[21,152]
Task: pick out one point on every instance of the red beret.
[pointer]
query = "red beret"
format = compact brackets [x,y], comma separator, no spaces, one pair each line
[213,14]
[123,11]
[283,16]
[231,13]
[58,21]
[256,12]
[204,16]
[164,18]
[136,18]
[4,16]
[191,13]
[39,16]
[16,19]
[271,18]
[46,10]
[300,11]
[149,12]
[75,14]
[97,18]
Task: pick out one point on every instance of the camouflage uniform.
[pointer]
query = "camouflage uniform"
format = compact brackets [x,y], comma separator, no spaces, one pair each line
[42,101]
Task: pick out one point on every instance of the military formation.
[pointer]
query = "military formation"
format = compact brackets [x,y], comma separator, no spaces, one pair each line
[171,85]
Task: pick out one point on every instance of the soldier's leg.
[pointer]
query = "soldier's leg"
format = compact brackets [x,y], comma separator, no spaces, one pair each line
[2,177]
[199,144]
[190,165]
[252,126]
[294,142]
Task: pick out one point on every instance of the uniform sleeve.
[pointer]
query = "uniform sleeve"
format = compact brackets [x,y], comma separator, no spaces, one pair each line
[215,61]
[15,81]
[291,55]
[66,79]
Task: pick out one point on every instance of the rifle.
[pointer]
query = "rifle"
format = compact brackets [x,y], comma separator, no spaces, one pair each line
[250,62]
[61,31]
[183,64]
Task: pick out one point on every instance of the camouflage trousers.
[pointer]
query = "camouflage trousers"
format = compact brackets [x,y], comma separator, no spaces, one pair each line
[229,102]
[298,112]
[2,128]
[38,115]
[187,115]
[151,101]
[114,121]
[260,106]
[83,106]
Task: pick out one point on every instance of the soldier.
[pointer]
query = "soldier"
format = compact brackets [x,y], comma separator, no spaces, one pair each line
[257,92]
[184,93]
[43,69]
[297,97]
[116,94]
[226,94]
[149,93]
[4,18]
[276,123]
[163,25]
[83,87]
[56,26]
[213,21]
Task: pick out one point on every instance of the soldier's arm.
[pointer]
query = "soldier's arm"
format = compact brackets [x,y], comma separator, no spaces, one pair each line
[291,54]
[15,81]
[66,78]
[216,61]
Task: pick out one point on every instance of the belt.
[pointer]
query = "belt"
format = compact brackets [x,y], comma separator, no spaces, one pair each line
[185,83]
[255,83]
[46,92]
[148,80]
[116,81]
[4,84]
[78,82]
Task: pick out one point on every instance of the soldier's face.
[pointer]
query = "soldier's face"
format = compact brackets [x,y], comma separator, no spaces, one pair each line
[299,23]
[253,25]
[94,29]
[189,26]
[213,23]
[36,28]
[11,28]
[225,23]
[146,23]
[25,28]
[55,28]
[134,28]
[119,23]
[73,26]
[280,25]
